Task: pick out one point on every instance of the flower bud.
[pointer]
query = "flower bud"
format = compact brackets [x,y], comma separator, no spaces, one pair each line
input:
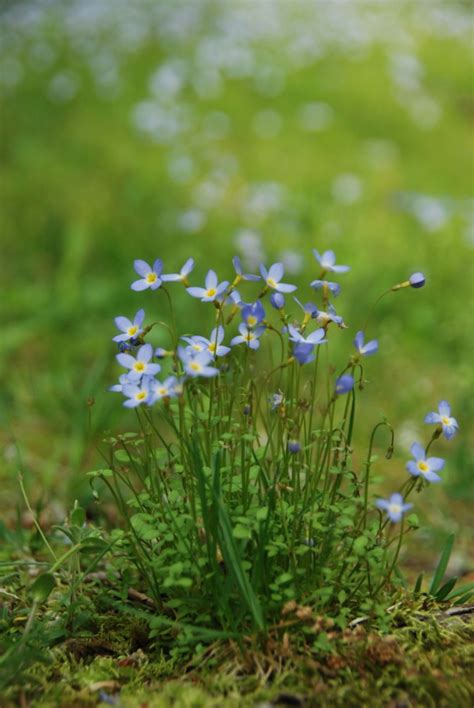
[417,280]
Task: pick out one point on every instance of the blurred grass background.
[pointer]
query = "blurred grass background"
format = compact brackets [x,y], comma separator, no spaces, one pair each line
[154,129]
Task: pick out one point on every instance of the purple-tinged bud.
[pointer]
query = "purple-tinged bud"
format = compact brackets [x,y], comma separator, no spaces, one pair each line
[160,353]
[247,409]
[294,446]
[278,301]
[344,384]
[417,280]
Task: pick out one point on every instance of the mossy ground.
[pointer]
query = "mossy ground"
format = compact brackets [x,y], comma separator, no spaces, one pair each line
[426,660]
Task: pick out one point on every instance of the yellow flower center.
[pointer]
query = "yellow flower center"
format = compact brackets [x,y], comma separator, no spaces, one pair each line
[422,466]
[139,366]
[251,320]
[212,347]
[197,347]
[162,391]
[445,420]
[140,396]
[250,336]
[195,366]
[395,508]
[211,292]
[271,283]
[132,330]
[151,278]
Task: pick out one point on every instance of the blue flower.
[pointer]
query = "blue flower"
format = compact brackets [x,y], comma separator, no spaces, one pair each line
[365,349]
[248,335]
[426,467]
[123,381]
[213,345]
[334,288]
[448,423]
[273,276]
[394,506]
[344,384]
[169,388]
[212,288]
[136,394]
[277,300]
[316,337]
[327,262]
[239,270]
[130,330]
[139,366]
[303,352]
[182,276]
[324,318]
[294,446]
[197,365]
[309,308]
[417,280]
[253,314]
[150,277]
[276,400]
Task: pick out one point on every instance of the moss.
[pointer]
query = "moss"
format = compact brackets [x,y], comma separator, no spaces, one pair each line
[427,660]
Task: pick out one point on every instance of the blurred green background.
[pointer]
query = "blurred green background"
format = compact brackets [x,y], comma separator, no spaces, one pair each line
[135,129]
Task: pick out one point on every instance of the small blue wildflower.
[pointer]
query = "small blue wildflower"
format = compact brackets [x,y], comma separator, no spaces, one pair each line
[316,337]
[304,352]
[309,308]
[253,314]
[449,424]
[239,270]
[277,300]
[276,400]
[327,262]
[394,506]
[324,318]
[129,329]
[248,335]
[212,288]
[426,467]
[344,384]
[197,365]
[273,276]
[334,288]
[213,345]
[166,389]
[365,349]
[150,277]
[294,446]
[140,365]
[123,381]
[136,394]
[182,276]
[417,280]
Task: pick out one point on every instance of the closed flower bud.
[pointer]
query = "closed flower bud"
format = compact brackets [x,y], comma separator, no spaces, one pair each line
[417,280]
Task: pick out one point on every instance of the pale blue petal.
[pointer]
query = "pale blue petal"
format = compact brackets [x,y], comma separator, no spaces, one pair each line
[417,451]
[444,408]
[141,267]
[435,463]
[138,285]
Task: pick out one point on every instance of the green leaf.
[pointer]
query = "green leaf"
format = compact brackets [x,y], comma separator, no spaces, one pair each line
[466,588]
[42,587]
[442,564]
[262,513]
[100,473]
[419,581]
[446,589]
[359,545]
[78,516]
[241,532]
